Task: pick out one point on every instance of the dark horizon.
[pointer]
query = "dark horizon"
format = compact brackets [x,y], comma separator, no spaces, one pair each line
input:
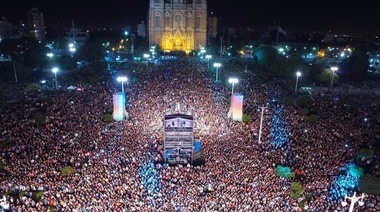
[351,17]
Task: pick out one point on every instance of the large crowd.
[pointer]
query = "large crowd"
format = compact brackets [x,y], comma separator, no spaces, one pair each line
[118,166]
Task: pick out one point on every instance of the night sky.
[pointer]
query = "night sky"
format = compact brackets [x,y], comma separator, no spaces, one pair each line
[345,16]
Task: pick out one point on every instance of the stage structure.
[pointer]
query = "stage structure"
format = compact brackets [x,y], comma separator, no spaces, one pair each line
[179,138]
[119,112]
[236,110]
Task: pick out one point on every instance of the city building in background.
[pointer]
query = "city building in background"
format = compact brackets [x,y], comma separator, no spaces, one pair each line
[178,25]
[6,29]
[212,26]
[36,24]
[141,29]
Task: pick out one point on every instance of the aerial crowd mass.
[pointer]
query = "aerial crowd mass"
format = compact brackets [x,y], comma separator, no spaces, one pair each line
[118,165]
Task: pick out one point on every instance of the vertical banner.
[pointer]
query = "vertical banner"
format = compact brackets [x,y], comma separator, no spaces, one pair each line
[118,106]
[237,107]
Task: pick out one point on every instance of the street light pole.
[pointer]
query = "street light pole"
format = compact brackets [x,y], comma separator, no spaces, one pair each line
[55,70]
[233,81]
[14,70]
[261,122]
[122,79]
[217,65]
[353,200]
[208,57]
[298,75]
[333,70]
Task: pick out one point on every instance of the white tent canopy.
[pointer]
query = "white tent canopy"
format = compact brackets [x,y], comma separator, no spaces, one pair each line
[71,87]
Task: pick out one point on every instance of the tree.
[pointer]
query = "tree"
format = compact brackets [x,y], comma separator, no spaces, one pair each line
[304,111]
[265,55]
[303,101]
[288,101]
[33,87]
[67,170]
[2,95]
[296,190]
[39,117]
[294,63]
[246,118]
[370,184]
[66,62]
[313,118]
[325,77]
[356,66]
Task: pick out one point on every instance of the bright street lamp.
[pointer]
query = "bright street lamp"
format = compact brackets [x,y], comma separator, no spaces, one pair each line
[55,70]
[122,79]
[50,55]
[217,66]
[333,70]
[261,122]
[146,56]
[298,75]
[233,81]
[202,52]
[208,57]
[353,200]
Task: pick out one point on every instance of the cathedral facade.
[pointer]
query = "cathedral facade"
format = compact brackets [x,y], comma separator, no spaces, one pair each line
[178,25]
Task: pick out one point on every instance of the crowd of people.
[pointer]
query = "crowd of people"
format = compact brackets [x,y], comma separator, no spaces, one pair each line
[118,166]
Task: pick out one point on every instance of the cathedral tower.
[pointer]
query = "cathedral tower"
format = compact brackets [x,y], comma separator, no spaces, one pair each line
[178,25]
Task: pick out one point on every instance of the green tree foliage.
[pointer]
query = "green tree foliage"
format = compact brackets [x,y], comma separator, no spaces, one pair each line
[60,44]
[108,118]
[91,51]
[33,87]
[265,55]
[356,66]
[39,117]
[66,62]
[288,101]
[38,196]
[364,152]
[3,99]
[33,59]
[296,190]
[313,118]
[295,63]
[325,77]
[1,166]
[315,70]
[283,171]
[67,170]
[303,101]
[246,118]
[370,184]
[304,111]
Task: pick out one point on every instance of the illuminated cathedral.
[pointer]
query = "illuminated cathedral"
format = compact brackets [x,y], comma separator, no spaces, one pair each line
[178,25]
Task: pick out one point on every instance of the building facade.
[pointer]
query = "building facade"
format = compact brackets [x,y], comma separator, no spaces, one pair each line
[212,26]
[141,29]
[36,24]
[178,25]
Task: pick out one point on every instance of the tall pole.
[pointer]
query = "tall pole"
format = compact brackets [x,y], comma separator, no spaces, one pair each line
[353,200]
[217,73]
[133,45]
[232,90]
[261,122]
[298,74]
[56,82]
[14,70]
[122,86]
[221,46]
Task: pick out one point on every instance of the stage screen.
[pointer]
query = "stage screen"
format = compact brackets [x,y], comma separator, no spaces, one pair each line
[118,106]
[237,107]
